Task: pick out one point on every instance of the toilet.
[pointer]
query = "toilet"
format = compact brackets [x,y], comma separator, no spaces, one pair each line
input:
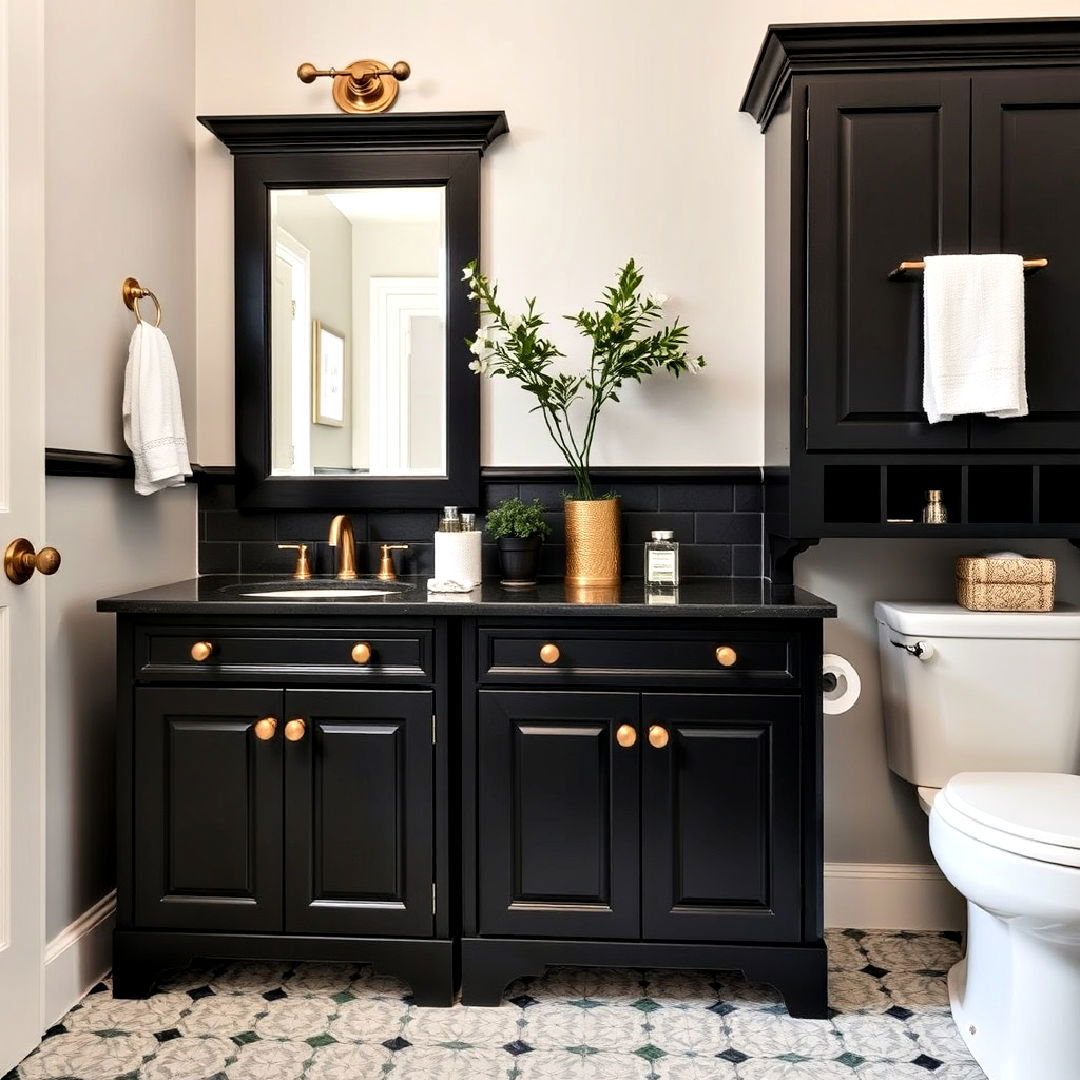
[982,716]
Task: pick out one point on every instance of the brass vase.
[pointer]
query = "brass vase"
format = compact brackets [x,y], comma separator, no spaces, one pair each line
[592,542]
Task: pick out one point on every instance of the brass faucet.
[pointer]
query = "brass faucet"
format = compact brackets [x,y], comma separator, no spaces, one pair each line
[341,535]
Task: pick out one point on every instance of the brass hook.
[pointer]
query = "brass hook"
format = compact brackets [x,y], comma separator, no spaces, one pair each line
[133,292]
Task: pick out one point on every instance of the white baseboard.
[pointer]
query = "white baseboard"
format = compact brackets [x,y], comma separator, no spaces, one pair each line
[891,896]
[78,957]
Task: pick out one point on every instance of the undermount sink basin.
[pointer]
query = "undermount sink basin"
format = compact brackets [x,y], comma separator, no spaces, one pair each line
[318,589]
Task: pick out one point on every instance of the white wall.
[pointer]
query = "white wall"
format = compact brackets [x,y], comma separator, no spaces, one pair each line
[625,140]
[120,190]
[604,160]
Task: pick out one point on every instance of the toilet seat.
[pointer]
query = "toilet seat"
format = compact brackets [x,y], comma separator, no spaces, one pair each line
[1035,815]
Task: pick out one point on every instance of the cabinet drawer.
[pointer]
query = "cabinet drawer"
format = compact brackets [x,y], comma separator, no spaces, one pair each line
[562,656]
[240,653]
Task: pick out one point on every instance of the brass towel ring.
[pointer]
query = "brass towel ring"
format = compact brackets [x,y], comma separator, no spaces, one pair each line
[133,292]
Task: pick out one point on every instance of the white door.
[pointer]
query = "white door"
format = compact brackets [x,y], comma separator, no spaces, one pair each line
[22,506]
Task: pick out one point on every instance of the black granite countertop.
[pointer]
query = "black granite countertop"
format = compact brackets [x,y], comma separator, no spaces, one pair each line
[224,594]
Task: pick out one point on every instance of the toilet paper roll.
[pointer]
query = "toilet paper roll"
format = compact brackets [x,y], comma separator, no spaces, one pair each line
[848,685]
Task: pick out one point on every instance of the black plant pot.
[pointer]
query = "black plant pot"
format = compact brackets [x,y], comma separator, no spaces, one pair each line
[519,560]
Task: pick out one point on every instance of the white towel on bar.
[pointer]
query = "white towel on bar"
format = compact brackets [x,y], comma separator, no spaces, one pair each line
[973,336]
[153,416]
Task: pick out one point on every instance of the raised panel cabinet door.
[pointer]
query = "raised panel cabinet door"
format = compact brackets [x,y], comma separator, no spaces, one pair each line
[887,182]
[207,809]
[721,850]
[558,814]
[359,854]
[1025,178]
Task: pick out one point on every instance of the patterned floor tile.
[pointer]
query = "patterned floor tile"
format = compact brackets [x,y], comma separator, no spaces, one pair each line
[466,1024]
[270,1061]
[585,1022]
[905,951]
[340,1022]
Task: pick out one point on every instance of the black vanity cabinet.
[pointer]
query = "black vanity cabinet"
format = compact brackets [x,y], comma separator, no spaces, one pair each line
[279,798]
[464,790]
[886,142]
[644,799]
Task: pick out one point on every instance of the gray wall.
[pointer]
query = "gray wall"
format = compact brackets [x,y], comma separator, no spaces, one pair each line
[870,815]
[120,199]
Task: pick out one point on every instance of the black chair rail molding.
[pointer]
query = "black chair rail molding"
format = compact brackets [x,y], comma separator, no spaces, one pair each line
[352,380]
[854,116]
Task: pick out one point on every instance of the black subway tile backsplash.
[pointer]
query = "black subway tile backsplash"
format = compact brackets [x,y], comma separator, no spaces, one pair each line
[717,525]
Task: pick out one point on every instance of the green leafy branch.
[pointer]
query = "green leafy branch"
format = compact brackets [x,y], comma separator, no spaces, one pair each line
[626,343]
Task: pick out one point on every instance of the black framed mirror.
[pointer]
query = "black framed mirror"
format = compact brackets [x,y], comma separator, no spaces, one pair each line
[352,381]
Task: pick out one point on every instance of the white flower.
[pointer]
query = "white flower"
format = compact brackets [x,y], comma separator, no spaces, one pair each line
[474,296]
[466,272]
[479,346]
[480,365]
[515,323]
[658,298]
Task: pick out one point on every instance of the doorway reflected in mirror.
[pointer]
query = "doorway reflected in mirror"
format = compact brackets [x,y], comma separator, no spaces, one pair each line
[358,331]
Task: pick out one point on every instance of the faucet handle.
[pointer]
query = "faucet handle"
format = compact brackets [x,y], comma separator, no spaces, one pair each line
[386,563]
[302,570]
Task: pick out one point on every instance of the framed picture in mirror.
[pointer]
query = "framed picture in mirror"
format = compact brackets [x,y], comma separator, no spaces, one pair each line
[328,349]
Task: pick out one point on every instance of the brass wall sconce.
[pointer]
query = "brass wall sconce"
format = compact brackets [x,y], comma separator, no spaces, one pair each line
[365,86]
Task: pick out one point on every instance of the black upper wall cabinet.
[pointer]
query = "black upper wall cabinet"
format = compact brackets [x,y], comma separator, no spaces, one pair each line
[379,430]
[887,142]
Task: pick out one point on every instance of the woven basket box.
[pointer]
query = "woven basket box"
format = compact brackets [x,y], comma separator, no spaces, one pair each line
[1005,584]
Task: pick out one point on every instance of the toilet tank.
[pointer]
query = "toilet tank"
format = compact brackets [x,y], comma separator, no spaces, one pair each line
[991,691]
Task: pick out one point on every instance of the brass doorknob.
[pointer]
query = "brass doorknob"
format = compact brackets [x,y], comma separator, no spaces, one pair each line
[265,727]
[202,650]
[361,652]
[726,656]
[295,729]
[20,560]
[549,653]
[626,736]
[658,736]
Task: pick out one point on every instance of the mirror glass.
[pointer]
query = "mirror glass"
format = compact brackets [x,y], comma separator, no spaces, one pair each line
[358,331]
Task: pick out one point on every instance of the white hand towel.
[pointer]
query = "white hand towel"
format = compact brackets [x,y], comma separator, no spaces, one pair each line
[973,336]
[153,416]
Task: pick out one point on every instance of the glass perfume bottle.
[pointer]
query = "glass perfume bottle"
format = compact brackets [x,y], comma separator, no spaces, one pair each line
[934,513]
[662,560]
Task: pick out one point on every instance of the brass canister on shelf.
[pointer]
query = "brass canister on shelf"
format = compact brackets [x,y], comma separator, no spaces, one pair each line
[592,541]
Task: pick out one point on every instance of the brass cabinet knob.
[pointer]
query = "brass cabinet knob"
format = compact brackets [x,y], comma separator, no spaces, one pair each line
[202,650]
[295,729]
[726,656]
[265,727]
[361,652]
[549,653]
[626,736]
[658,736]
[20,561]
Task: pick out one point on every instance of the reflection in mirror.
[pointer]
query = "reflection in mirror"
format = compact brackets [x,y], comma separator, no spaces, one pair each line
[358,331]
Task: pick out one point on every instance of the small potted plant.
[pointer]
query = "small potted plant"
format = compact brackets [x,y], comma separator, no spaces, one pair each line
[519,528]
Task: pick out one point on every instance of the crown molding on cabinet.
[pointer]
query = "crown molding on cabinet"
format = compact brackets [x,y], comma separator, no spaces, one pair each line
[433,132]
[824,48]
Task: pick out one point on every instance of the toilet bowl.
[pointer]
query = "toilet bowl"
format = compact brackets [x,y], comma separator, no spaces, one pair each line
[968,695]
[1010,843]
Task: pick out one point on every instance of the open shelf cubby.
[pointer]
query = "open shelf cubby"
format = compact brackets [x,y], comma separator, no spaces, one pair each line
[906,487]
[852,494]
[1059,494]
[1001,494]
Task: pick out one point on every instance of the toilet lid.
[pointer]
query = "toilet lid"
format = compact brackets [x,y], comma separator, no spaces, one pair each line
[1032,814]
